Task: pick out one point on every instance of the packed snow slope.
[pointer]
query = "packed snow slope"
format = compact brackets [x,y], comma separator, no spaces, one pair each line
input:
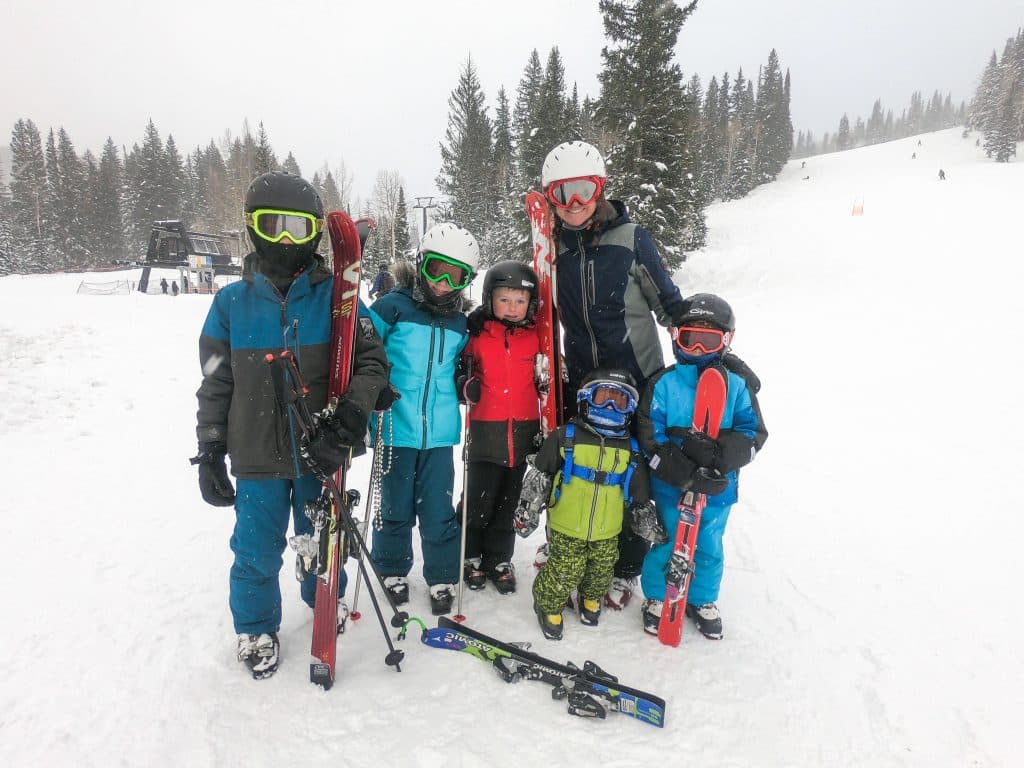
[868,604]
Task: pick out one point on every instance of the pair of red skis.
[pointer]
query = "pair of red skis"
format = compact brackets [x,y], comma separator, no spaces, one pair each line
[709,405]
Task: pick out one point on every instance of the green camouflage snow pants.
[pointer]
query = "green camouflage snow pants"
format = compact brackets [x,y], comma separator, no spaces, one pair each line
[574,563]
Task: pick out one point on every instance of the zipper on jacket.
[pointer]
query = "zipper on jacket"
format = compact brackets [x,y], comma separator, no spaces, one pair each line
[508,377]
[426,381]
[583,297]
[597,488]
[440,354]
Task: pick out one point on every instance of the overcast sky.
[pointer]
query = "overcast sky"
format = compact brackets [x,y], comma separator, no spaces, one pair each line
[368,82]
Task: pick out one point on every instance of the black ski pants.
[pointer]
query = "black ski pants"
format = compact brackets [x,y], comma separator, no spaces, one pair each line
[493,496]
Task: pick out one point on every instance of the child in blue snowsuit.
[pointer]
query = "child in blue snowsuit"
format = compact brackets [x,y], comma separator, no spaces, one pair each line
[282,301]
[424,332]
[677,453]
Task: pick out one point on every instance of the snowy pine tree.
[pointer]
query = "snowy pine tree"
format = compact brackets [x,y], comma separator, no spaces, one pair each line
[107,214]
[654,155]
[467,157]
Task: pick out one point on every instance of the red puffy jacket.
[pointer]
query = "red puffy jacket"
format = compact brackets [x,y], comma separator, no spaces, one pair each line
[503,425]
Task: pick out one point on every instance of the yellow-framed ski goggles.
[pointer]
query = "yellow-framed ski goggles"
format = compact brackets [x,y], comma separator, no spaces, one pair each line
[274,225]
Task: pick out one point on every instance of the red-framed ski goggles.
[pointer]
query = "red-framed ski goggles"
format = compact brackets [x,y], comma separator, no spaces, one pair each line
[583,190]
[695,340]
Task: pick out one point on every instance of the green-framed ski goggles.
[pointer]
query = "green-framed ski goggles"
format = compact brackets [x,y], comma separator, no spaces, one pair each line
[436,267]
[274,225]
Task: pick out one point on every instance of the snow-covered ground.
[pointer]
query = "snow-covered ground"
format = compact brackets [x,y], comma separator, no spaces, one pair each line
[868,596]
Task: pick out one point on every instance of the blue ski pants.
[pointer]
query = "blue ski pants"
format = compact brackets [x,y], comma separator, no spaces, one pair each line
[263,509]
[419,487]
[709,561]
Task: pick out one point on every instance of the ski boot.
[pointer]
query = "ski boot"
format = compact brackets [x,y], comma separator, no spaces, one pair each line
[260,653]
[504,578]
[590,612]
[709,620]
[651,612]
[550,623]
[474,577]
[398,588]
[619,593]
[541,558]
[441,598]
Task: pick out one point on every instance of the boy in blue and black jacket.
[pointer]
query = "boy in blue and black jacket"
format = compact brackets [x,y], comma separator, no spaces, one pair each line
[676,452]
[424,332]
[282,301]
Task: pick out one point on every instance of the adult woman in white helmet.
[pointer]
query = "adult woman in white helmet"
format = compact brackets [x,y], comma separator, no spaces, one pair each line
[424,332]
[613,286]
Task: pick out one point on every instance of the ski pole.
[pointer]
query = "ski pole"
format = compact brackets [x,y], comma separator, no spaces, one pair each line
[373,502]
[293,392]
[459,616]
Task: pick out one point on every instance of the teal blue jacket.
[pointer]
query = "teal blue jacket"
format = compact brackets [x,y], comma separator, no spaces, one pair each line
[423,347]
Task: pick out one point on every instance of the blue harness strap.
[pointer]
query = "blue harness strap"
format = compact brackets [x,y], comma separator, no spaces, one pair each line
[598,477]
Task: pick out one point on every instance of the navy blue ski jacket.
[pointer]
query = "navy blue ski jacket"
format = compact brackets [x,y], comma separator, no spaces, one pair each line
[610,280]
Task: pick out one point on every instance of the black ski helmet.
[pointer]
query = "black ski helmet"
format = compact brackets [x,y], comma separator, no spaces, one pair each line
[283,191]
[511,274]
[708,307]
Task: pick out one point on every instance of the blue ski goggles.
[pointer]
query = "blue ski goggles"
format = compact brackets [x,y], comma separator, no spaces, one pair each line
[619,397]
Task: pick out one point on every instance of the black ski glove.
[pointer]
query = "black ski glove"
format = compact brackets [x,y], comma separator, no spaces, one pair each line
[386,397]
[670,464]
[336,434]
[645,523]
[475,320]
[214,484]
[700,448]
[710,482]
[737,451]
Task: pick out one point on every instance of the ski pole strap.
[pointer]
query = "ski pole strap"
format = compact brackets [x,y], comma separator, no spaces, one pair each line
[412,620]
[597,476]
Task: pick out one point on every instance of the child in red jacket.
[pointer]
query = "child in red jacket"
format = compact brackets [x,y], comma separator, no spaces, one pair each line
[501,381]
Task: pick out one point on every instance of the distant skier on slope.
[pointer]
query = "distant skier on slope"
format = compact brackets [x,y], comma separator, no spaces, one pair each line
[284,290]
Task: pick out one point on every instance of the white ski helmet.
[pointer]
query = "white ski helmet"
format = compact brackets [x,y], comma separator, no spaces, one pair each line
[452,241]
[572,160]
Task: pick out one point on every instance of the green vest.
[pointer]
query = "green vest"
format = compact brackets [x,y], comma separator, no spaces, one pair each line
[588,510]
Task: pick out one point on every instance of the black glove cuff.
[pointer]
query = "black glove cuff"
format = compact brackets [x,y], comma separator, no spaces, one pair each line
[209,453]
